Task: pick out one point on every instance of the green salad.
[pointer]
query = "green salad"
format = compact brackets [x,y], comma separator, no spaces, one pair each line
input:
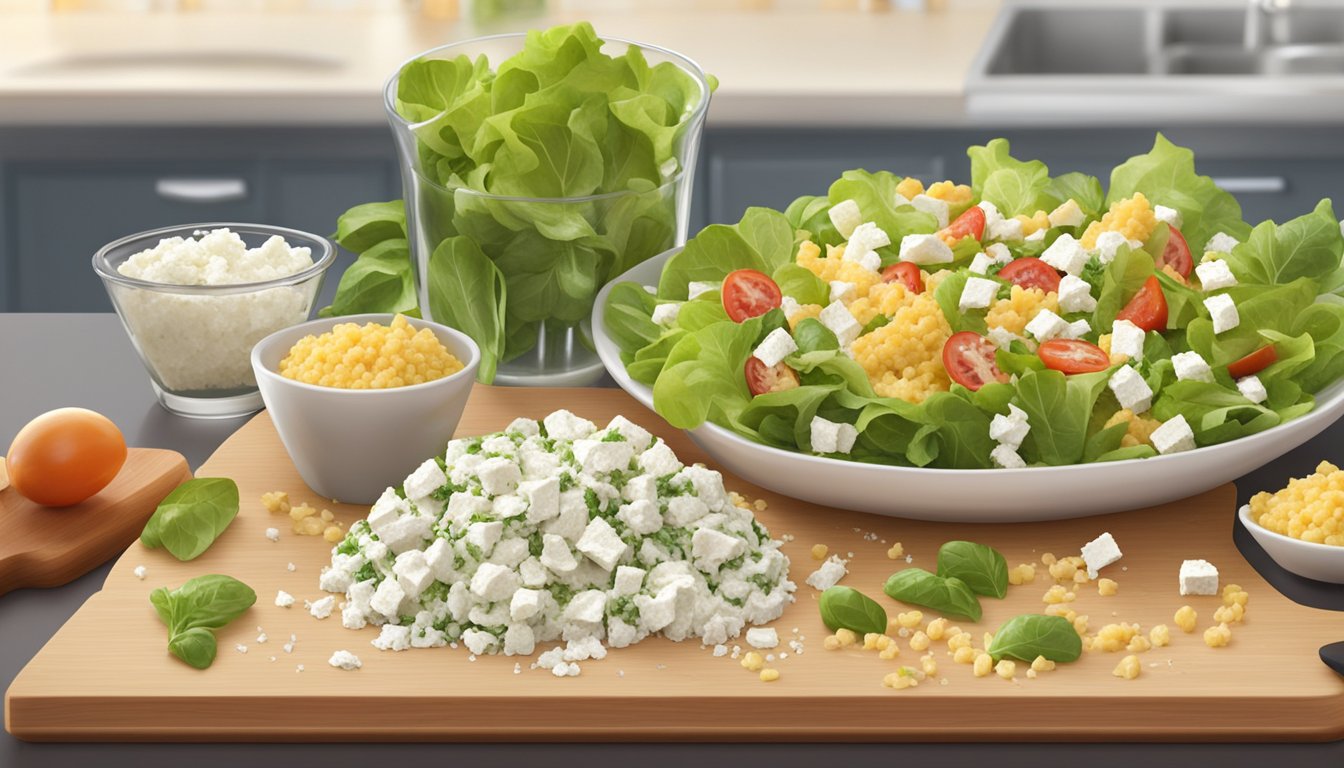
[1023,319]
[536,180]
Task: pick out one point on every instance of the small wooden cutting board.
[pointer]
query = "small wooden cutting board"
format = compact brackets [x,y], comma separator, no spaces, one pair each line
[107,675]
[49,546]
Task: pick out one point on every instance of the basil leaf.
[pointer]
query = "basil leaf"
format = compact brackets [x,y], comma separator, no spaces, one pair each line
[190,518]
[194,609]
[846,608]
[812,336]
[467,292]
[982,568]
[949,596]
[1030,635]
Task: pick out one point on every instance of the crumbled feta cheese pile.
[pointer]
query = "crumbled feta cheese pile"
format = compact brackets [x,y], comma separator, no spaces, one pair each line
[205,342]
[558,531]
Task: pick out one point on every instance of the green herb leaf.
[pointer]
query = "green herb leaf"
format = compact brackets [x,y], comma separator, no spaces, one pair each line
[948,596]
[1014,186]
[382,279]
[1030,635]
[194,609]
[843,607]
[190,518]
[981,567]
[467,292]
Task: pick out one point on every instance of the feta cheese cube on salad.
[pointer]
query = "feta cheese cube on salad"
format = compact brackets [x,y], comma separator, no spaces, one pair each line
[1108,243]
[868,237]
[846,217]
[1075,295]
[1130,389]
[777,345]
[1127,339]
[1170,215]
[698,287]
[1035,237]
[1001,338]
[1005,230]
[925,249]
[841,322]
[932,206]
[1010,429]
[977,293]
[842,291]
[1173,436]
[1046,325]
[1221,242]
[1005,457]
[1078,329]
[1214,275]
[1223,312]
[1252,389]
[666,314]
[1066,254]
[1191,367]
[832,437]
[980,263]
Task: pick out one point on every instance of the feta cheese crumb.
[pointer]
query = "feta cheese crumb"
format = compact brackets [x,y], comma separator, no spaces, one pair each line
[832,437]
[720,650]
[343,660]
[829,574]
[321,609]
[666,314]
[936,208]
[273,534]
[1191,366]
[1100,552]
[290,567]
[1010,429]
[868,237]
[1047,325]
[837,317]
[842,291]
[1221,243]
[697,287]
[762,637]
[977,293]
[283,599]
[1108,243]
[1198,577]
[140,572]
[1075,295]
[1066,254]
[1004,457]
[1170,215]
[1007,230]
[240,648]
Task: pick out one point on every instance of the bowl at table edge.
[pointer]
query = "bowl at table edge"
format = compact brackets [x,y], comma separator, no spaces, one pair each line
[975,495]
[1322,562]
[349,445]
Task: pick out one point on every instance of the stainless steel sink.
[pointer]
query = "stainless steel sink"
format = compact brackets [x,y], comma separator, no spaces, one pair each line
[1138,60]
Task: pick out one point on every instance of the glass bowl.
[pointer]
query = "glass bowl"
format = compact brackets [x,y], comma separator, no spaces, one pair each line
[196,340]
[554,253]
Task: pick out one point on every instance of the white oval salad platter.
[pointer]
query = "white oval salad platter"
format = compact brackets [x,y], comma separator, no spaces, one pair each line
[976,495]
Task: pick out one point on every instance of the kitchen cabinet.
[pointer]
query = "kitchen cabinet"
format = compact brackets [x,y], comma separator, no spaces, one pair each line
[65,192]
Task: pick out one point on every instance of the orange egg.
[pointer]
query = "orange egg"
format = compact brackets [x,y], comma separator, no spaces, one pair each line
[65,456]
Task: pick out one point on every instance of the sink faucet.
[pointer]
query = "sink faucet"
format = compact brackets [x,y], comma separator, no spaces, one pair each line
[1260,15]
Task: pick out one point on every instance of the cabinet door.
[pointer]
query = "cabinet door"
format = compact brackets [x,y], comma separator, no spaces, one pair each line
[772,168]
[310,195]
[64,214]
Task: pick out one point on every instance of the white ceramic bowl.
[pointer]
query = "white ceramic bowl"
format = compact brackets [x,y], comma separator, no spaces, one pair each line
[1322,562]
[977,495]
[351,444]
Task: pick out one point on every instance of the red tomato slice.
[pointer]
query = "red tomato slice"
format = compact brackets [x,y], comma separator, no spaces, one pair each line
[1253,363]
[1031,272]
[969,360]
[762,378]
[748,293]
[1148,308]
[1177,254]
[971,223]
[906,272]
[1072,356]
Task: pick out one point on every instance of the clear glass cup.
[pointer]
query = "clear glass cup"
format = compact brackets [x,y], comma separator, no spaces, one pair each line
[196,340]
[548,322]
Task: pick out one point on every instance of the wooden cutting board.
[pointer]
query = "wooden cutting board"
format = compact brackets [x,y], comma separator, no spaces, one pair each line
[107,675]
[47,547]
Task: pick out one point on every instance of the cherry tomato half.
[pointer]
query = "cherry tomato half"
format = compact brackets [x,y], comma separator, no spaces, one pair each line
[907,273]
[1070,356]
[762,378]
[969,360]
[1253,363]
[1031,272]
[971,223]
[1177,254]
[748,293]
[65,456]
[1148,308]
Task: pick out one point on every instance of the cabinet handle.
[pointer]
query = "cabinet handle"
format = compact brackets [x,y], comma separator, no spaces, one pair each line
[1256,185]
[201,190]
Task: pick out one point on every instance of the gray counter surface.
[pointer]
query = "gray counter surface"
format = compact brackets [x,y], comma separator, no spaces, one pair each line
[48,361]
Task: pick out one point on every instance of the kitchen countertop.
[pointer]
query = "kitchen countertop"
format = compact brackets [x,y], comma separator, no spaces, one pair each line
[776,67]
[34,380]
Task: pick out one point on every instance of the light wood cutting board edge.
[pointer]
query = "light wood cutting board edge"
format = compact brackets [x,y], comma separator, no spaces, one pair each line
[1248,692]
